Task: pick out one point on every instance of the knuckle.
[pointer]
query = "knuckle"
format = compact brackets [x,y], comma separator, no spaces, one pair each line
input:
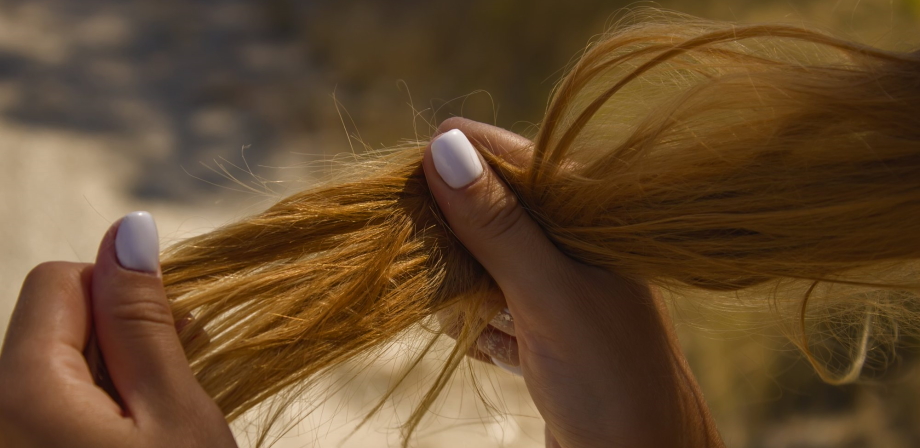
[45,272]
[498,218]
[143,307]
[53,277]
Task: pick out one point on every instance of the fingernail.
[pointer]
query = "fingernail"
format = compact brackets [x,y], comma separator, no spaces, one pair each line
[504,321]
[137,245]
[455,159]
[513,369]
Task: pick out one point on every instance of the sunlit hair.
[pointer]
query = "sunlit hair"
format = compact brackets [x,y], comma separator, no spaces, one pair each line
[765,166]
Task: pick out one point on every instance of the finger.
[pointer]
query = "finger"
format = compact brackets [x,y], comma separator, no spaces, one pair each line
[501,348]
[509,146]
[550,439]
[134,324]
[487,218]
[451,325]
[42,365]
[503,321]
[52,312]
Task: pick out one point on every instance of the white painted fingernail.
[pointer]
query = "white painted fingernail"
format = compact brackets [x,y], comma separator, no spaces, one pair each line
[504,321]
[137,244]
[513,369]
[455,159]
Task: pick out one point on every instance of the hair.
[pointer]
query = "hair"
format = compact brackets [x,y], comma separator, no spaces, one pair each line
[764,166]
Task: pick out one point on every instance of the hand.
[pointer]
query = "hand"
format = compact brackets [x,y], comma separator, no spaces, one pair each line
[597,352]
[47,394]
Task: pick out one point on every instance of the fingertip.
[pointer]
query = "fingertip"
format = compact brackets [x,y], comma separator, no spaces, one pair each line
[137,245]
[455,159]
[516,370]
[53,308]
[503,321]
[129,249]
[510,146]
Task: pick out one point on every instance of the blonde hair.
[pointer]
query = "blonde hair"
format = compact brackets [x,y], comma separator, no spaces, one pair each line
[762,164]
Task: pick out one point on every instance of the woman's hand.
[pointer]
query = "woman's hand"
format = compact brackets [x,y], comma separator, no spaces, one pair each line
[47,394]
[597,352]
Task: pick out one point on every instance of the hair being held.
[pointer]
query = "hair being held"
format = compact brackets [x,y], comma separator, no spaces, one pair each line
[747,166]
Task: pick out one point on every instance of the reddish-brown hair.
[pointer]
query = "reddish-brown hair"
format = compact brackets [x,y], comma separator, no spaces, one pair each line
[764,165]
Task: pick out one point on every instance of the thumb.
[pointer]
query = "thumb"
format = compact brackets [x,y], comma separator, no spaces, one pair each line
[486,215]
[132,318]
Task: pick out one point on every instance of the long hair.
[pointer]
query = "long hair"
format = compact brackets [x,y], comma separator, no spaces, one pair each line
[763,165]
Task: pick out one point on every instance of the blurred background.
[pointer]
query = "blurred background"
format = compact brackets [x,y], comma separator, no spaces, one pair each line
[109,106]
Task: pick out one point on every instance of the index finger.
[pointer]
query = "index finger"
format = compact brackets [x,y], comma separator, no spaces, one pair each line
[53,310]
